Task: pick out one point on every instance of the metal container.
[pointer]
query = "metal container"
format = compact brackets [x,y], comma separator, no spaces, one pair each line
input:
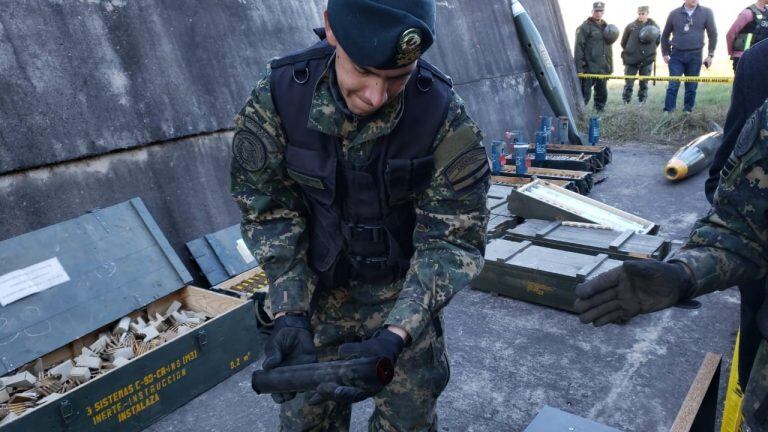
[590,239]
[112,263]
[542,200]
[521,158]
[538,274]
[562,130]
[540,154]
[496,155]
[594,130]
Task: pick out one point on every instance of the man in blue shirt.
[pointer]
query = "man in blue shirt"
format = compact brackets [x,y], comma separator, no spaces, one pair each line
[683,53]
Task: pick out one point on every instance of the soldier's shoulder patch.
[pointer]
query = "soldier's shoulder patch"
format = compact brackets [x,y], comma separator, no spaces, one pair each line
[467,170]
[751,132]
[249,150]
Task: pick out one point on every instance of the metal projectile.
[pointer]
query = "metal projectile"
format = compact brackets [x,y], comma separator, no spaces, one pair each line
[542,65]
[693,157]
[366,373]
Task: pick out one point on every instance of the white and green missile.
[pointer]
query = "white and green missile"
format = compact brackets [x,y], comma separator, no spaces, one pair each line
[544,69]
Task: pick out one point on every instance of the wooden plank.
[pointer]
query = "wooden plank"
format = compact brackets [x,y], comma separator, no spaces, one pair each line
[588,269]
[700,404]
[621,239]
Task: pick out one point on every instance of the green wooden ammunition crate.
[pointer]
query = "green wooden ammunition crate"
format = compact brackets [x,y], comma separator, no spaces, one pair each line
[602,153]
[114,263]
[553,420]
[590,238]
[222,255]
[583,180]
[537,274]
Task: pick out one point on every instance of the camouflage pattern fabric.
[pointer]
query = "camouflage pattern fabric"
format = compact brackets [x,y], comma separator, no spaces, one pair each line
[730,245]
[449,240]
[406,404]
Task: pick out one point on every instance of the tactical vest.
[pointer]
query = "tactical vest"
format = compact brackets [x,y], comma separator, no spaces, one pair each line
[753,32]
[361,219]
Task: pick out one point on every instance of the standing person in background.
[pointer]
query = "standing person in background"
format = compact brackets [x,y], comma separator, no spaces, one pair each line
[683,53]
[751,27]
[593,56]
[639,42]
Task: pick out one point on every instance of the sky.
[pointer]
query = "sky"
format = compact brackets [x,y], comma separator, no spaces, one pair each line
[622,12]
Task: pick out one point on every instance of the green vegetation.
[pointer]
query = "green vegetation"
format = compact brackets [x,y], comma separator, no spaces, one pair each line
[647,122]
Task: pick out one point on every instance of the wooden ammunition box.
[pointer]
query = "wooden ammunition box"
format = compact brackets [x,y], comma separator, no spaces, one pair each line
[538,274]
[222,255]
[603,154]
[517,182]
[583,180]
[115,263]
[590,239]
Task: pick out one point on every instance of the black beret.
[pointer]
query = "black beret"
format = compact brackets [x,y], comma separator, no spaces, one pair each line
[383,34]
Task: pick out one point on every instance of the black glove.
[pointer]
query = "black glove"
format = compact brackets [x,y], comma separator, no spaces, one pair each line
[384,343]
[634,288]
[291,343]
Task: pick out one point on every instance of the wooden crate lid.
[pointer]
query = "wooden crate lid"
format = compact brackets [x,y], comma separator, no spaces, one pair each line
[82,274]
[222,255]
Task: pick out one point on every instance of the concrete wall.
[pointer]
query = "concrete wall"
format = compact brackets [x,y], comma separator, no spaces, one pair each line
[101,101]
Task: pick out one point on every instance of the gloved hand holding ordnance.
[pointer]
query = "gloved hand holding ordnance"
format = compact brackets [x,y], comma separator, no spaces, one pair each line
[291,343]
[635,288]
[383,344]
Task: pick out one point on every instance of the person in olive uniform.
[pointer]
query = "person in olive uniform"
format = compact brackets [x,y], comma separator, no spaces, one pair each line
[639,54]
[362,184]
[593,55]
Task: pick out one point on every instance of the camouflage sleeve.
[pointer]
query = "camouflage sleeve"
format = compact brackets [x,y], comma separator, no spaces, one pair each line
[451,218]
[730,245]
[273,212]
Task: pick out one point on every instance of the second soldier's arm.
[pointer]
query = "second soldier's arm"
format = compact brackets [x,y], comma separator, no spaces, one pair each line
[273,212]
[451,218]
[730,246]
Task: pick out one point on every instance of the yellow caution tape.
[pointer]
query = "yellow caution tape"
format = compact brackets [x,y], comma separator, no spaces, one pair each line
[659,78]
[732,418]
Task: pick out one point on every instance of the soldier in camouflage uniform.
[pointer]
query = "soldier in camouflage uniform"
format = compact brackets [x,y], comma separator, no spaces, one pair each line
[727,247]
[362,183]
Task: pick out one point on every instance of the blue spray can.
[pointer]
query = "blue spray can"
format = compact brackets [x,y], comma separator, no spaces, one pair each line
[546,126]
[594,130]
[541,147]
[496,156]
[562,130]
[521,158]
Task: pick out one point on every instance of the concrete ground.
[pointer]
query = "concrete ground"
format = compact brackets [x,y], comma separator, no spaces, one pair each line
[510,358]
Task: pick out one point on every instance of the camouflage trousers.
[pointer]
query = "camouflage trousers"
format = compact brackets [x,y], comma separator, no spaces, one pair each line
[755,403]
[406,404]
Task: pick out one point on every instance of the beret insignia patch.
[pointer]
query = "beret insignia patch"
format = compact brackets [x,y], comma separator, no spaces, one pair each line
[409,47]
[249,151]
[467,170]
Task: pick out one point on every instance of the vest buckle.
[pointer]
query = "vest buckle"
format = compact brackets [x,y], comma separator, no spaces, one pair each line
[363,233]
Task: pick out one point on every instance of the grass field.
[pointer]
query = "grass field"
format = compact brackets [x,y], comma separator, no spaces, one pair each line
[647,122]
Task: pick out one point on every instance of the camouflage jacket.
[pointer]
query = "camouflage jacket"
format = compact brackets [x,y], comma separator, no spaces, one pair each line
[450,228]
[730,245]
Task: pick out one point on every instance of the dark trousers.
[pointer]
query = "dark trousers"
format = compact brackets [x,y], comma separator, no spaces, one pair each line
[632,70]
[601,91]
[752,299]
[687,63]
[735,63]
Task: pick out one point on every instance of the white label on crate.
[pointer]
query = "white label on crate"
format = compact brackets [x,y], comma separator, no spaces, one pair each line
[244,252]
[31,280]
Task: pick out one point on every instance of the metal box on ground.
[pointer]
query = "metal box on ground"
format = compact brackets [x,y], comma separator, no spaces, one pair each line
[222,255]
[84,277]
[584,180]
[590,238]
[575,162]
[543,200]
[517,182]
[553,420]
[538,274]
[603,154]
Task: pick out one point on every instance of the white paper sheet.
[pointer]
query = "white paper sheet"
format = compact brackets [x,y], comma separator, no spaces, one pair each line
[244,252]
[31,280]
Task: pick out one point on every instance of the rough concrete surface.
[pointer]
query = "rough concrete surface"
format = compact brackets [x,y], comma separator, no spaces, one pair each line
[153,86]
[510,358]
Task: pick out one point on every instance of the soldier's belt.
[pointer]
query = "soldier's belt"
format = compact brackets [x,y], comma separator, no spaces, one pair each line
[659,78]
